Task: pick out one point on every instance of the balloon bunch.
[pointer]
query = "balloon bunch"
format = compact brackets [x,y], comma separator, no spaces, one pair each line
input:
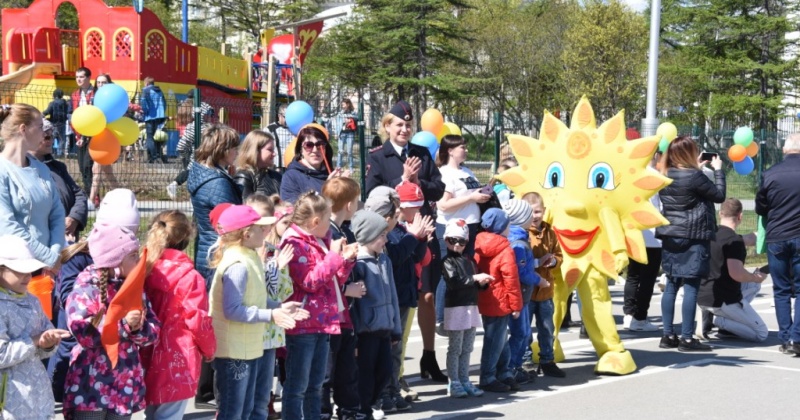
[104,123]
[299,114]
[668,132]
[743,151]
[434,128]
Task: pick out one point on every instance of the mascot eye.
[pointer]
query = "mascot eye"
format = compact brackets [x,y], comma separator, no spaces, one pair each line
[554,178]
[601,176]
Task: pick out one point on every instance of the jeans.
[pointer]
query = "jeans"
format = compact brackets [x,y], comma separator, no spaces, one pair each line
[262,380]
[167,411]
[341,378]
[741,319]
[153,148]
[469,251]
[691,285]
[374,368]
[345,147]
[545,329]
[784,265]
[639,284]
[495,353]
[236,386]
[520,330]
[306,362]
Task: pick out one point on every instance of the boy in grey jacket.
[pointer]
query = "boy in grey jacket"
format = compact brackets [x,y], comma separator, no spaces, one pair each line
[376,316]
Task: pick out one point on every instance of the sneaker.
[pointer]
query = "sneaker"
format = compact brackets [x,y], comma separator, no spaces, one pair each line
[521,377]
[406,391]
[583,334]
[400,403]
[512,384]
[529,366]
[172,190]
[377,413]
[456,390]
[387,404]
[440,329]
[790,349]
[471,389]
[199,404]
[669,342]
[626,321]
[643,325]
[692,345]
[552,370]
[496,386]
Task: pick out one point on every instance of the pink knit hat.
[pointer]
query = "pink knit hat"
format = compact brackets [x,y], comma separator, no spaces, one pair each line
[119,209]
[109,245]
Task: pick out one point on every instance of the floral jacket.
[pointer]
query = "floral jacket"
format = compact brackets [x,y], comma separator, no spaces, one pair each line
[279,288]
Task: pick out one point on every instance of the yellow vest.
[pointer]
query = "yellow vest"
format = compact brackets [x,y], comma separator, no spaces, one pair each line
[239,340]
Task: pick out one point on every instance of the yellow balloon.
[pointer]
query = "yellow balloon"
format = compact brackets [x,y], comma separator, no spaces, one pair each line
[668,131]
[126,130]
[448,128]
[88,120]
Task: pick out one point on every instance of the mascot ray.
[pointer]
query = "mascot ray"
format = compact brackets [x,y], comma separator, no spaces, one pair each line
[596,186]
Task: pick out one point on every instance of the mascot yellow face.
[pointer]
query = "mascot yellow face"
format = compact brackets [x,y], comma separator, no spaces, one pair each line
[596,186]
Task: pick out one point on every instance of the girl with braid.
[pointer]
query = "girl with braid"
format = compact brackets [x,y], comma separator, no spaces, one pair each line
[94,388]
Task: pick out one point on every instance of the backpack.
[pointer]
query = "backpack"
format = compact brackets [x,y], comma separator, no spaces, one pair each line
[350,125]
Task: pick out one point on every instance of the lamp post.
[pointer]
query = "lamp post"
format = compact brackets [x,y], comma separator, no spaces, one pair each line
[185,21]
[650,122]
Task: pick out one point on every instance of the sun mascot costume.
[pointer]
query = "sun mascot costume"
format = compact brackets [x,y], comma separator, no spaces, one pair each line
[596,186]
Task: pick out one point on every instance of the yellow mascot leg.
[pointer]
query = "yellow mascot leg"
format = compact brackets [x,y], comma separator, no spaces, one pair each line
[599,322]
[561,293]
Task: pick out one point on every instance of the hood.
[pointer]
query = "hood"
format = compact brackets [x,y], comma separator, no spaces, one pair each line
[490,244]
[364,255]
[310,172]
[154,88]
[517,233]
[199,175]
[169,270]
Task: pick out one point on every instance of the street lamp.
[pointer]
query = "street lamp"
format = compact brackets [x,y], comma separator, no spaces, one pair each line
[650,122]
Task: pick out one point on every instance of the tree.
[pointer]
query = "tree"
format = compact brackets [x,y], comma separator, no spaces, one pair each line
[605,58]
[251,16]
[738,56]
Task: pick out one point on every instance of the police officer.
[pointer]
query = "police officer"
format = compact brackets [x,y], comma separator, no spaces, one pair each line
[395,161]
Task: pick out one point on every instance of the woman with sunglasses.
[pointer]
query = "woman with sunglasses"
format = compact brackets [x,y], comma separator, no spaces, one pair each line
[311,165]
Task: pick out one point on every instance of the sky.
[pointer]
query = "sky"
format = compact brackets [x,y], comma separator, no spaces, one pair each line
[637,5]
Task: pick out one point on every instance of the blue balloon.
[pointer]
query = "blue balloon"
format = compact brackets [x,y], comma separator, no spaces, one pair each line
[428,140]
[112,100]
[298,114]
[745,166]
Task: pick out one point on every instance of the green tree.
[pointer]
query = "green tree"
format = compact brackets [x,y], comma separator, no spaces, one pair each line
[251,16]
[735,56]
[605,58]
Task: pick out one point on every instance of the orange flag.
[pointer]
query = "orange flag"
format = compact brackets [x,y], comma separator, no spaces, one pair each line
[128,298]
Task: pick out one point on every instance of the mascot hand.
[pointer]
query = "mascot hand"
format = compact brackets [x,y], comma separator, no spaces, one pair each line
[620,261]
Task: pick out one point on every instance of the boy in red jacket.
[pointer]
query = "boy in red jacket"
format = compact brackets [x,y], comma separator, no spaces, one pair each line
[500,300]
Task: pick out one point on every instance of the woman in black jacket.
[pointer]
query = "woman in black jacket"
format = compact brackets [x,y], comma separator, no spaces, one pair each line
[254,165]
[688,204]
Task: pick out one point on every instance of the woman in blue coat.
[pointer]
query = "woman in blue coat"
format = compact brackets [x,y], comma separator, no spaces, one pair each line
[311,165]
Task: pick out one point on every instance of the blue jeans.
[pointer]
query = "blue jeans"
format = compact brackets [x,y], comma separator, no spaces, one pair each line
[236,385]
[153,148]
[167,411]
[306,362]
[687,309]
[543,311]
[262,381]
[345,147]
[784,266]
[495,353]
[520,330]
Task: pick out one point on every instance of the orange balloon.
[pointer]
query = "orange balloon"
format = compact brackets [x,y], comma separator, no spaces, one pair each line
[752,149]
[737,153]
[104,148]
[288,155]
[432,120]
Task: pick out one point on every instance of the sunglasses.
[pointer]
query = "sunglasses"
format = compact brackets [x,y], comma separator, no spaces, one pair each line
[457,241]
[309,146]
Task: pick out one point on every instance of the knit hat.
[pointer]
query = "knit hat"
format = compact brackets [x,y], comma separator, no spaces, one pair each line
[380,200]
[240,217]
[410,194]
[213,215]
[367,226]
[456,228]
[15,254]
[402,110]
[110,244]
[518,211]
[119,209]
[494,221]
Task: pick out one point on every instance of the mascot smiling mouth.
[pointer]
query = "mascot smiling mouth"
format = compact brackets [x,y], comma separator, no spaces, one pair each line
[575,241]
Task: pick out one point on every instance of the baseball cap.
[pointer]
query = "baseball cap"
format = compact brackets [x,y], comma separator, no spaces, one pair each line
[240,217]
[15,254]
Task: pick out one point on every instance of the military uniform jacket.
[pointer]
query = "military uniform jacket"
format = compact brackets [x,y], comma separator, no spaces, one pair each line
[384,167]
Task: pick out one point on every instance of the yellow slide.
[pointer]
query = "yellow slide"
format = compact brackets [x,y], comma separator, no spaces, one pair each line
[22,77]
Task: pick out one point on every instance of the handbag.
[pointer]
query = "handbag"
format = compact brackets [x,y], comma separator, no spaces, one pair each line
[493,203]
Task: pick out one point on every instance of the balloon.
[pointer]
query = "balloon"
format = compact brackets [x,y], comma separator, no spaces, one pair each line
[112,100]
[752,149]
[432,120]
[428,140]
[663,144]
[298,114]
[160,136]
[88,120]
[743,136]
[320,128]
[125,129]
[104,148]
[448,128]
[737,153]
[288,155]
[745,166]
[668,131]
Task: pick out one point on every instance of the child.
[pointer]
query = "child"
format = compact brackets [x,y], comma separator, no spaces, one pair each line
[26,336]
[279,288]
[240,309]
[93,387]
[376,316]
[503,192]
[502,298]
[461,317]
[547,250]
[341,377]
[319,269]
[519,217]
[178,295]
